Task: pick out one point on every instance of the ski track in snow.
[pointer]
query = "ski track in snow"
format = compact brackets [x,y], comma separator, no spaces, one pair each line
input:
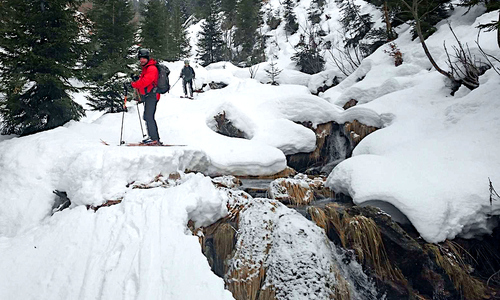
[139,249]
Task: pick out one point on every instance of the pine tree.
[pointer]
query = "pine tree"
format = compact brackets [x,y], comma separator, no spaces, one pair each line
[315,11]
[228,7]
[272,73]
[308,56]
[210,43]
[154,28]
[113,35]
[178,42]
[40,48]
[291,25]
[246,38]
[356,25]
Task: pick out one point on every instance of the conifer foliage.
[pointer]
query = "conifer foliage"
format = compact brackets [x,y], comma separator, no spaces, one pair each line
[155,28]
[40,48]
[210,42]
[356,24]
[246,38]
[291,25]
[112,37]
[178,41]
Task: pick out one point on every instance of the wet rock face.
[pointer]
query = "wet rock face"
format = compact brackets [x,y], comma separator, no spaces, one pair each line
[264,250]
[401,266]
[334,143]
[332,146]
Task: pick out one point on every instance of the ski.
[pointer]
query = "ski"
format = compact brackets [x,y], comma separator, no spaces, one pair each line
[143,145]
[187,97]
[147,145]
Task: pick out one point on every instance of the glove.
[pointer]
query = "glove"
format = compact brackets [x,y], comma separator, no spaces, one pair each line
[134,77]
[130,85]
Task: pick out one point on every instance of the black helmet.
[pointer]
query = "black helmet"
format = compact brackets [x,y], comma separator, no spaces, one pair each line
[143,53]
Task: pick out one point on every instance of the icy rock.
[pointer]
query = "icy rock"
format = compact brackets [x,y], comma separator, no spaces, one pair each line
[300,190]
[334,143]
[264,250]
[396,261]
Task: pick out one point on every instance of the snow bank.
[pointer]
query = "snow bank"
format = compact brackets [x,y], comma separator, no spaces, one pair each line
[139,249]
[72,159]
[433,159]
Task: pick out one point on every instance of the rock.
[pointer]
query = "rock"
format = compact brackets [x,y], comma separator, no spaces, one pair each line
[106,204]
[334,143]
[299,190]
[287,172]
[356,131]
[350,104]
[403,267]
[226,127]
[61,202]
[228,181]
[276,254]
[217,85]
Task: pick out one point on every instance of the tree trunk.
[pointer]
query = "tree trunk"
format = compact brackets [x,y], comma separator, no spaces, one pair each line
[498,30]
[388,27]
[414,12]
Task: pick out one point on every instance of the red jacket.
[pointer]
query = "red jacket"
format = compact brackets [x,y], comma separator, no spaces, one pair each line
[148,79]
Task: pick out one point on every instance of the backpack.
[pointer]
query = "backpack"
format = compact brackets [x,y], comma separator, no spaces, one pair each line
[163,82]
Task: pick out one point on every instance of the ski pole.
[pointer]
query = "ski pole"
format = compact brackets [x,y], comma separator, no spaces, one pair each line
[140,122]
[175,83]
[123,114]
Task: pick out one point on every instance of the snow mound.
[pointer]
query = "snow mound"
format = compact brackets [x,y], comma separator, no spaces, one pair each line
[433,158]
[138,249]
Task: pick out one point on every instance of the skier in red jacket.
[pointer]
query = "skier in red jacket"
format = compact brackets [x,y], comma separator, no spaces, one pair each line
[146,85]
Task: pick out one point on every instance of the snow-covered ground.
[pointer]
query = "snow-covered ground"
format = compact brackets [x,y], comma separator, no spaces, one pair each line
[136,250]
[431,160]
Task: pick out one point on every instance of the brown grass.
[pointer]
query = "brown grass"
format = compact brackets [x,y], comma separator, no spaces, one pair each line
[360,234]
[287,172]
[297,194]
[449,256]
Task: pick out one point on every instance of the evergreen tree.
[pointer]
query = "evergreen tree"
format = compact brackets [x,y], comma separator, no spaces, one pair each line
[228,7]
[315,11]
[177,40]
[291,25]
[246,38]
[272,73]
[154,28]
[113,35]
[490,5]
[308,56]
[210,43]
[40,48]
[430,11]
[356,25]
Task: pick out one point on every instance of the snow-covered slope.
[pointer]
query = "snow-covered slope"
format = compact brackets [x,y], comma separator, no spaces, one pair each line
[431,160]
[434,157]
[138,249]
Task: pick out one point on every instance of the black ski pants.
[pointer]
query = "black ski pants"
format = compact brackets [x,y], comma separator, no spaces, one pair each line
[184,86]
[150,103]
